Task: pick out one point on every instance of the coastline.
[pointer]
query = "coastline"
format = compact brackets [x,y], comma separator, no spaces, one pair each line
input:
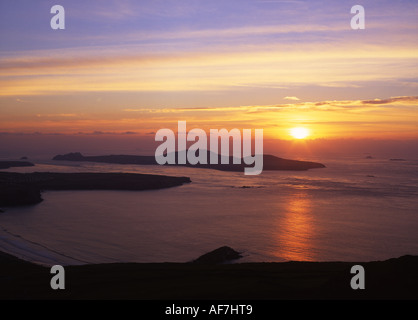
[390,279]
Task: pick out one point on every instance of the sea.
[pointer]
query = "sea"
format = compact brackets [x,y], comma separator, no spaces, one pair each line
[355,209]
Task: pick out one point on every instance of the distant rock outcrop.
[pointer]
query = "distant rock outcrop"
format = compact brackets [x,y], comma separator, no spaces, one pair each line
[72,156]
[220,255]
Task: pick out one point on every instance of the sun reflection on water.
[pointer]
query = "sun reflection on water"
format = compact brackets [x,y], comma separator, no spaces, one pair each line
[295,230]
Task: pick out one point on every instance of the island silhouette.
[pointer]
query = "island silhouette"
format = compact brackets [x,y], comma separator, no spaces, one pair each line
[270,162]
[25,188]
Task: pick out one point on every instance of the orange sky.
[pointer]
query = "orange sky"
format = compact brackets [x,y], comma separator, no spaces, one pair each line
[377,118]
[129,67]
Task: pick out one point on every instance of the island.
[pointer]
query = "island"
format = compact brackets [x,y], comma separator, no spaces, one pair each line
[10,164]
[270,162]
[25,188]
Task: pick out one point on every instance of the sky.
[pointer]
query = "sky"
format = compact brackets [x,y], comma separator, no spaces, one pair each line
[129,68]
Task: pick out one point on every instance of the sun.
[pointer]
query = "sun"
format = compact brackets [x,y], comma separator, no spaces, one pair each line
[299,133]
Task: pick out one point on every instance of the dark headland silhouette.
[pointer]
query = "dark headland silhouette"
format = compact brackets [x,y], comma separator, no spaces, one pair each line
[25,188]
[389,279]
[220,255]
[10,164]
[270,162]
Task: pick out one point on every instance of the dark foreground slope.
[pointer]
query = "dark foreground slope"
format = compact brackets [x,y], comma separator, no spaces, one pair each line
[269,162]
[25,188]
[390,279]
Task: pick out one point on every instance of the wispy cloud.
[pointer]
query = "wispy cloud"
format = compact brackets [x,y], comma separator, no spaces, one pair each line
[57,115]
[405,100]
[319,105]
[292,98]
[134,66]
[389,117]
[204,71]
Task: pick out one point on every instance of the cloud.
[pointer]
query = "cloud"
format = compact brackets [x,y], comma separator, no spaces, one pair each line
[180,60]
[57,115]
[22,100]
[181,110]
[327,105]
[369,117]
[292,98]
[404,99]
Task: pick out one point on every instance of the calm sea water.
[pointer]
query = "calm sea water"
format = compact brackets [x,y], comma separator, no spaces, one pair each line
[353,210]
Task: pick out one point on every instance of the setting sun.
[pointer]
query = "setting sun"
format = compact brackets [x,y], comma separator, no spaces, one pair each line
[299,133]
